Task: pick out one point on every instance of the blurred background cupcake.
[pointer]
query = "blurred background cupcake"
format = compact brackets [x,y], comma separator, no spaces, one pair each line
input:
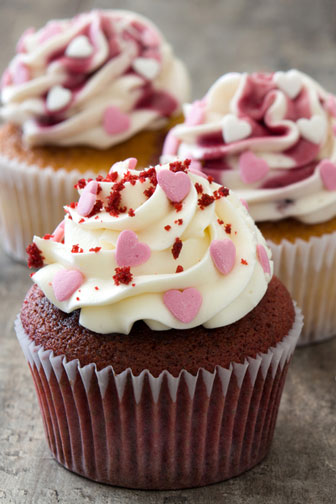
[157,338]
[271,138]
[79,95]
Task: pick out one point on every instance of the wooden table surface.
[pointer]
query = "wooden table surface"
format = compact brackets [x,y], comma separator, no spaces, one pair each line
[212,37]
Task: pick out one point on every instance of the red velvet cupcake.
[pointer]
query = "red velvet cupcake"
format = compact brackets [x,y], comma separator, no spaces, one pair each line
[157,340]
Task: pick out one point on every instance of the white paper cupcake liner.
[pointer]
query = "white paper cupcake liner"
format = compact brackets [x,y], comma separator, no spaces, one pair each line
[31,202]
[160,432]
[308,269]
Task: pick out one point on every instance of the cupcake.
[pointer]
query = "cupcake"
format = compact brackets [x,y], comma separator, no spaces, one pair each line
[157,338]
[271,138]
[79,95]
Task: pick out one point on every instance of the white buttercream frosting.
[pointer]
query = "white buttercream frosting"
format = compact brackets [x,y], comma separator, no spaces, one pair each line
[109,303]
[271,138]
[96,79]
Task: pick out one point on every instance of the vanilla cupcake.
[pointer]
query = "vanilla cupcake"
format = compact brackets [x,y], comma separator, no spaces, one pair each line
[157,338]
[271,138]
[79,95]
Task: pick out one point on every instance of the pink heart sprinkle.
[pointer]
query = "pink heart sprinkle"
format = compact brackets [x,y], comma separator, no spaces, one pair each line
[65,283]
[58,234]
[328,174]
[183,305]
[223,254]
[252,168]
[115,121]
[170,145]
[175,185]
[91,187]
[129,251]
[132,162]
[86,203]
[21,73]
[263,259]
[196,114]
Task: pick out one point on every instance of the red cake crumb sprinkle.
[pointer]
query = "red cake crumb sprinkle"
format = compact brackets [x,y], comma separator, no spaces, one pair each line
[123,275]
[176,248]
[76,249]
[149,192]
[113,176]
[114,200]
[199,188]
[32,274]
[77,298]
[35,257]
[80,221]
[150,174]
[228,228]
[95,249]
[243,261]
[220,221]
[177,166]
[210,179]
[99,189]
[97,207]
[178,206]
[73,204]
[80,184]
[48,236]
[96,287]
[168,227]
[131,212]
[222,192]
[129,177]
[133,284]
[205,200]
[179,269]
[179,222]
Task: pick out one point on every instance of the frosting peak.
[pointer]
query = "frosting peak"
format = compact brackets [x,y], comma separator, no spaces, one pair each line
[164,245]
[96,79]
[268,137]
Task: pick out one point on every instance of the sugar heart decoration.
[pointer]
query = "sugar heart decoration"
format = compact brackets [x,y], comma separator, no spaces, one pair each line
[252,168]
[175,185]
[66,282]
[223,254]
[328,174]
[88,199]
[263,259]
[58,97]
[313,129]
[147,67]
[196,114]
[290,82]
[183,305]
[58,234]
[129,251]
[235,129]
[115,121]
[79,47]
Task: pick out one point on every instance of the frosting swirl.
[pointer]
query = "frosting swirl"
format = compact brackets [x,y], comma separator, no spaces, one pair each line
[271,138]
[96,79]
[164,245]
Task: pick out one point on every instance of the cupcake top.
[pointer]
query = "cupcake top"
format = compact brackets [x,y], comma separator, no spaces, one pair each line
[164,245]
[270,137]
[94,80]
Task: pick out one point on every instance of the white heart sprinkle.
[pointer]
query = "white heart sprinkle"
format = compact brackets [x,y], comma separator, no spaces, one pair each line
[147,67]
[290,82]
[313,129]
[235,129]
[58,97]
[79,47]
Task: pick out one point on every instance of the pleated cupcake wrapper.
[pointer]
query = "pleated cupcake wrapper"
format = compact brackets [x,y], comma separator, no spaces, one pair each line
[31,202]
[159,432]
[308,269]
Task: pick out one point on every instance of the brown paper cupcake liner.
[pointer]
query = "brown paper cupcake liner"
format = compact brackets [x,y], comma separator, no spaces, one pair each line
[31,202]
[308,271]
[160,432]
